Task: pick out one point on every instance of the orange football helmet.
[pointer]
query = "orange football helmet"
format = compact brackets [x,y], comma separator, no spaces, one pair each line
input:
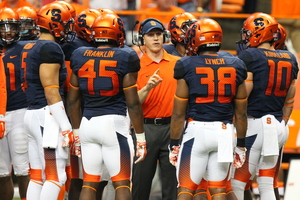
[259,28]
[106,11]
[178,26]
[280,42]
[84,22]
[203,34]
[9,26]
[28,17]
[69,7]
[108,28]
[57,19]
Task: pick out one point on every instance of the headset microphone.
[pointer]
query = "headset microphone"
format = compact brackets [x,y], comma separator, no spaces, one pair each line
[135,23]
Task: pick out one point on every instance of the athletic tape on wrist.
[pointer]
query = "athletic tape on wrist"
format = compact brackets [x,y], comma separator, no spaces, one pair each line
[59,113]
[140,137]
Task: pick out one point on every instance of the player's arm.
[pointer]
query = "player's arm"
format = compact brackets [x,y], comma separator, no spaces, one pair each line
[73,104]
[179,109]
[180,103]
[3,99]
[135,111]
[51,58]
[240,111]
[249,83]
[289,102]
[178,119]
[49,77]
[49,71]
[246,57]
[73,107]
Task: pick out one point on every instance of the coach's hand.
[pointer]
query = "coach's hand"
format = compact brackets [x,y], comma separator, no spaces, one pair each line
[154,80]
[141,150]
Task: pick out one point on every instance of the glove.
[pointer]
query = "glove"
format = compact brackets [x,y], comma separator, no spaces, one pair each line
[75,149]
[173,154]
[68,138]
[2,129]
[239,157]
[141,150]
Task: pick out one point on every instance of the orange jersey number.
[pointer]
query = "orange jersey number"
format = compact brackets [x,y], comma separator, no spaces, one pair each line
[24,84]
[225,77]
[87,71]
[280,76]
[12,76]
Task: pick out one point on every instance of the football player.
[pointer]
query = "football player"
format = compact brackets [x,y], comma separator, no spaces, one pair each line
[271,89]
[83,24]
[14,143]
[28,17]
[210,91]
[177,27]
[43,75]
[105,75]
[3,100]
[278,179]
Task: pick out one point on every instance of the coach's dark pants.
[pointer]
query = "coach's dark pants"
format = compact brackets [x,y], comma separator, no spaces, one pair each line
[157,138]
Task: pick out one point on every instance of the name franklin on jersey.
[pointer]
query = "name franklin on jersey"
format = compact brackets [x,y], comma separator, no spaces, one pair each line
[91,53]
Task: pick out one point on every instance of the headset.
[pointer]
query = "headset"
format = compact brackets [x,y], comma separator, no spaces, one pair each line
[138,37]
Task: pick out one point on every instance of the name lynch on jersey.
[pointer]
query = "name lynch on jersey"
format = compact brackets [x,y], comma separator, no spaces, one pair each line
[215,61]
[91,53]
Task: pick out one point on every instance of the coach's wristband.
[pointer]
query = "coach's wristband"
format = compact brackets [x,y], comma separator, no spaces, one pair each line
[240,142]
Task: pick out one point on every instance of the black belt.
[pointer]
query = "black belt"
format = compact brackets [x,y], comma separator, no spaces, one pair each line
[158,121]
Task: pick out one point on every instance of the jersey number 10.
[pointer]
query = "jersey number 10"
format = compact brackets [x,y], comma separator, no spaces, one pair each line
[278,81]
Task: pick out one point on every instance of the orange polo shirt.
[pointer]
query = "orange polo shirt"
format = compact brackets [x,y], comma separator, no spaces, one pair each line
[3,98]
[20,4]
[160,100]
[165,19]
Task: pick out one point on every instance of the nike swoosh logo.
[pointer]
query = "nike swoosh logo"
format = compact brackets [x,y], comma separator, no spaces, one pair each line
[12,57]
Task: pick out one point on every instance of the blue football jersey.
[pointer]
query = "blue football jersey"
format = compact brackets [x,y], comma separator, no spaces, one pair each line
[100,74]
[273,72]
[171,49]
[33,55]
[69,48]
[16,98]
[212,81]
